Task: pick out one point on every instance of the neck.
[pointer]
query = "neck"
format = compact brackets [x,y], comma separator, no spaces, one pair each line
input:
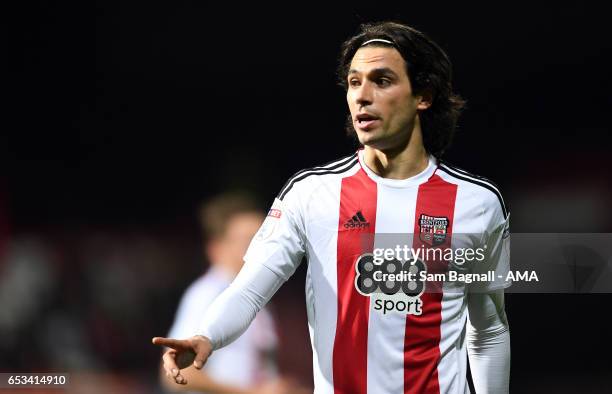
[399,162]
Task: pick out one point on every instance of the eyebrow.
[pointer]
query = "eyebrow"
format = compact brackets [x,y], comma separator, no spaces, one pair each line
[376,71]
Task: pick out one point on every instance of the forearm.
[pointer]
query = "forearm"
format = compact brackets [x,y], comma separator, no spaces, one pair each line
[490,362]
[488,341]
[234,310]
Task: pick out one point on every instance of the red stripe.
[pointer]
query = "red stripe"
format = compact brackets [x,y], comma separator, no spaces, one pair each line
[436,197]
[350,357]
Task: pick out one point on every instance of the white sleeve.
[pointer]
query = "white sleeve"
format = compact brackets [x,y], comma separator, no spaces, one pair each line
[280,242]
[488,341]
[272,257]
[233,311]
[496,244]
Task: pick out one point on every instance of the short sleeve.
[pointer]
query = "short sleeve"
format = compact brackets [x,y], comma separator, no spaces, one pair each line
[496,244]
[279,243]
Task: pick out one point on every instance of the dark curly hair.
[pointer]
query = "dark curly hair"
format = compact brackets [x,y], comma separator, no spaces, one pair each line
[429,70]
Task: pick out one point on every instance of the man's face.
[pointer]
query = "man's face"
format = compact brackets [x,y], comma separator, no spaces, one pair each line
[380,98]
[229,249]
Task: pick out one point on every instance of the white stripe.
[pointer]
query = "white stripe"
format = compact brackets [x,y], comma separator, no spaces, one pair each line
[456,174]
[316,170]
[322,283]
[466,175]
[395,217]
[326,166]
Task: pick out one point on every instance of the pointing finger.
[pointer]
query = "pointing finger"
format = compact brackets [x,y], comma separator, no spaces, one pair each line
[169,342]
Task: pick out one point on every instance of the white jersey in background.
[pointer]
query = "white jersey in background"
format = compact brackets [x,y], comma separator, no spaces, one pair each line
[247,361]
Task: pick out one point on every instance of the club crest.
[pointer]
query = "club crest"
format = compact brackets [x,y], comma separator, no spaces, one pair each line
[433,229]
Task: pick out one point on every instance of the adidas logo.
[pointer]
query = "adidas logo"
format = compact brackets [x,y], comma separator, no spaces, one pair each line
[357,221]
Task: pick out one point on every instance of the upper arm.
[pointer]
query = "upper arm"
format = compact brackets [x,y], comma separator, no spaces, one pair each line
[279,244]
[495,241]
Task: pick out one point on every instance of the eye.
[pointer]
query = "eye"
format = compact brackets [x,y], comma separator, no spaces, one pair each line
[383,82]
[354,82]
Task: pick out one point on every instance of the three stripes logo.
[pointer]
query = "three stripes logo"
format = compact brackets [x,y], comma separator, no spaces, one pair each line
[358,221]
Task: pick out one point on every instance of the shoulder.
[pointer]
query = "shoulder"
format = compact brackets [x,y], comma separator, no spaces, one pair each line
[485,190]
[310,176]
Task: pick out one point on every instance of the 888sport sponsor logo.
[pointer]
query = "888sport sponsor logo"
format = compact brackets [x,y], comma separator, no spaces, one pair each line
[393,285]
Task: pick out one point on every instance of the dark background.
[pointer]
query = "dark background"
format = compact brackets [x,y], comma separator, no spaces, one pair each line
[122,117]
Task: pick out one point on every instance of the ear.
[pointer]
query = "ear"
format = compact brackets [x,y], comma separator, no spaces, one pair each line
[425,100]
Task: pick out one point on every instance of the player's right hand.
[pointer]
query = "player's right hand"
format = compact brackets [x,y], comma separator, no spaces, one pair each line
[182,353]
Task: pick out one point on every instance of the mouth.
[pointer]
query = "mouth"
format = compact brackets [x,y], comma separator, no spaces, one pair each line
[366,121]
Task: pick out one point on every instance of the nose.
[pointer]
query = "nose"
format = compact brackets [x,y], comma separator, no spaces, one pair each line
[363,94]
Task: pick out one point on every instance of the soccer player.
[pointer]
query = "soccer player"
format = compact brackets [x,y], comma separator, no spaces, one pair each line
[229,222]
[371,335]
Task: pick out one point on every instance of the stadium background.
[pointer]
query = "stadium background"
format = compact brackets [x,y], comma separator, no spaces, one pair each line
[123,116]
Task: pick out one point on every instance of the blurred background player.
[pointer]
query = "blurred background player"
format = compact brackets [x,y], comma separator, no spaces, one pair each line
[228,221]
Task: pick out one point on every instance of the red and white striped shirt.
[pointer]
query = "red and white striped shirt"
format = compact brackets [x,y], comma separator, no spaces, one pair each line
[336,213]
